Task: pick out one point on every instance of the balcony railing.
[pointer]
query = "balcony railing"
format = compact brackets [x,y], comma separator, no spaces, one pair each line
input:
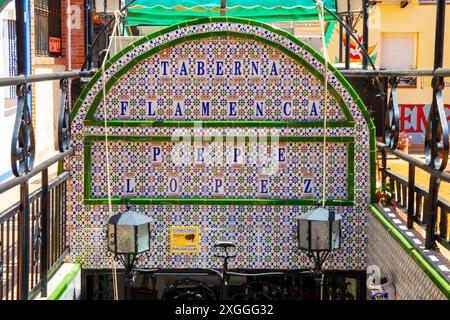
[413,199]
[33,241]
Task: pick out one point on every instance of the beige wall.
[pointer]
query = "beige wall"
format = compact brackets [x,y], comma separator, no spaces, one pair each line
[414,18]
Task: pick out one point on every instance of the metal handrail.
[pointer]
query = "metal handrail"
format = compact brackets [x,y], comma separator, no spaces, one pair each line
[422,165]
[37,169]
[24,79]
[440,72]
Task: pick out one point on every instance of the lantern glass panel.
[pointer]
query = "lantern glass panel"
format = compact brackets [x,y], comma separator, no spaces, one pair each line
[125,239]
[143,238]
[320,235]
[111,240]
[303,234]
[335,235]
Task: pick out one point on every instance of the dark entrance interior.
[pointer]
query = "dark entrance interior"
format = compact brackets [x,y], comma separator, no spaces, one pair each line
[339,285]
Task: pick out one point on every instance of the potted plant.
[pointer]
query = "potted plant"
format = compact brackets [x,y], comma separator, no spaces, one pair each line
[404,142]
[385,195]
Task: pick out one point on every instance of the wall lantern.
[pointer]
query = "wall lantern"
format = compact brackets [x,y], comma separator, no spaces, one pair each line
[319,233]
[107,7]
[319,230]
[343,7]
[129,236]
[129,233]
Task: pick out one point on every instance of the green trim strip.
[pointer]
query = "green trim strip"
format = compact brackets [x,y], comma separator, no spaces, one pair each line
[338,75]
[268,139]
[218,123]
[64,284]
[417,256]
[88,140]
[218,201]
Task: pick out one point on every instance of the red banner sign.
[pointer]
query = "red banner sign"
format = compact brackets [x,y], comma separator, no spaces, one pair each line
[54,44]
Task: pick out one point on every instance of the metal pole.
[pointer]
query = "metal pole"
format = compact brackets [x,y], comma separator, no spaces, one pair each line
[223,6]
[434,182]
[24,242]
[44,229]
[89,33]
[347,44]
[24,68]
[341,35]
[365,32]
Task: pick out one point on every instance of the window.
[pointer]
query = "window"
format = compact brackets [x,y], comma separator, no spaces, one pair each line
[9,38]
[398,51]
[47,25]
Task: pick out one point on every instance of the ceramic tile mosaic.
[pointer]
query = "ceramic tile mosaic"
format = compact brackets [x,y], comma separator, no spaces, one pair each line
[220,79]
[253,80]
[147,169]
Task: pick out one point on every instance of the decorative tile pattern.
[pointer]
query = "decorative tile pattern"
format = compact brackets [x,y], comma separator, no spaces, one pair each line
[265,235]
[220,79]
[147,169]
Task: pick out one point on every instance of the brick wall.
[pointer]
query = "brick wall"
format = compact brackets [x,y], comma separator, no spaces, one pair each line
[411,283]
[76,43]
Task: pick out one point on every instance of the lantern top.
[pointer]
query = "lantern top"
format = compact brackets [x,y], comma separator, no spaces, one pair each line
[130,218]
[320,214]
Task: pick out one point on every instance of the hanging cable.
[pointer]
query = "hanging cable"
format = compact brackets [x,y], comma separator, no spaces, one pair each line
[117,15]
[321,14]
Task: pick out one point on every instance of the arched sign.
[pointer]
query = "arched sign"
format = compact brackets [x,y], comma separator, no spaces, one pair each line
[217,125]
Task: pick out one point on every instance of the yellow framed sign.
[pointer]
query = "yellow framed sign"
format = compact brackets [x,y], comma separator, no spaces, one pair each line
[184,239]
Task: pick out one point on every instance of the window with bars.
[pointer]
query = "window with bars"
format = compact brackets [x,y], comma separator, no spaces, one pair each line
[11,54]
[48,40]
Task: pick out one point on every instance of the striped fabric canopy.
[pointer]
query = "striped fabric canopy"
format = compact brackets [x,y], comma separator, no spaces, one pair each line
[160,13]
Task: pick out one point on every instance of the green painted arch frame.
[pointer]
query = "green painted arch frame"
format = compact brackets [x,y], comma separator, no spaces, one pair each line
[349,120]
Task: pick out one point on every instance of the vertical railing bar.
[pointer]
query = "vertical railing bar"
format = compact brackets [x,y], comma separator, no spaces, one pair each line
[44,229]
[411,187]
[398,191]
[2,243]
[443,224]
[31,244]
[24,241]
[404,195]
[7,257]
[54,226]
[13,257]
[59,219]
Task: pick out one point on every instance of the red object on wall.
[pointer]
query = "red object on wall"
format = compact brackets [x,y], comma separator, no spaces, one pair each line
[54,44]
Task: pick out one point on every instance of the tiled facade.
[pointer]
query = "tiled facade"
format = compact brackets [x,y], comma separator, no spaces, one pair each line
[409,280]
[158,79]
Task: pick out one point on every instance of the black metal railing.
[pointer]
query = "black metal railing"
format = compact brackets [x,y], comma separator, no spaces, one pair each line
[33,241]
[414,199]
[47,234]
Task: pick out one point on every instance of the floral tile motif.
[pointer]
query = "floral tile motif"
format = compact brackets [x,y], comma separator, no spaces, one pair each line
[266,235]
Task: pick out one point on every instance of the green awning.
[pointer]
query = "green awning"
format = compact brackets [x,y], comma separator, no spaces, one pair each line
[162,13]
[3,4]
